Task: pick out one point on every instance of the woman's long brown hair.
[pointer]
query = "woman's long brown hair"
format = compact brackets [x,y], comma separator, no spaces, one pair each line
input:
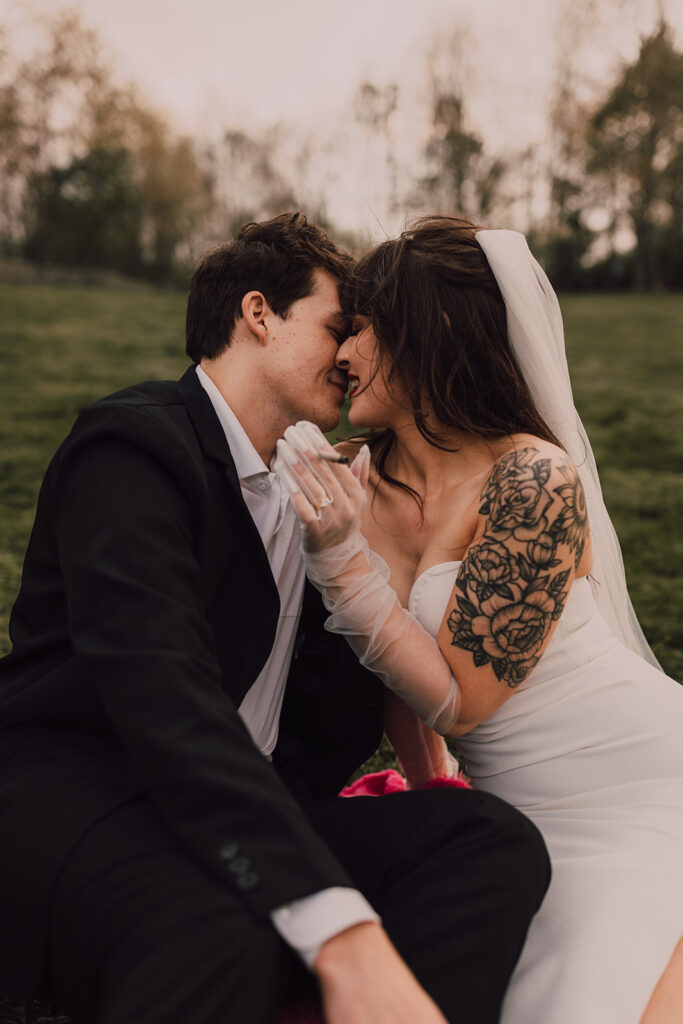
[440,324]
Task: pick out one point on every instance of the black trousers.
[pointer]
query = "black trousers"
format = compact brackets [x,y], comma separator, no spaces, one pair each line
[140,934]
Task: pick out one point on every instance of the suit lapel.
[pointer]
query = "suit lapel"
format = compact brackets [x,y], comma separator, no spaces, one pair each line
[212,438]
[209,431]
[255,578]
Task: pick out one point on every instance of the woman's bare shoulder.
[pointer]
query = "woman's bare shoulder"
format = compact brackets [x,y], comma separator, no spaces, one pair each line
[535,483]
[520,442]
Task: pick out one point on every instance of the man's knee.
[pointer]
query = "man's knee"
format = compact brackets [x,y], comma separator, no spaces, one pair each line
[500,843]
[526,856]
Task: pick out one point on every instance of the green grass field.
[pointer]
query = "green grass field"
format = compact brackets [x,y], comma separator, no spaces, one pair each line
[63,347]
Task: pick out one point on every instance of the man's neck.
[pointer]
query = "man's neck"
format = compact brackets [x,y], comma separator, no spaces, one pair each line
[261,419]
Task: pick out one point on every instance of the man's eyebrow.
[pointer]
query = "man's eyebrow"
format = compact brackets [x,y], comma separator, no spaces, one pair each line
[340,322]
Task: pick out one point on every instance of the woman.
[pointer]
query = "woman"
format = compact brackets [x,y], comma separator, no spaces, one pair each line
[485,529]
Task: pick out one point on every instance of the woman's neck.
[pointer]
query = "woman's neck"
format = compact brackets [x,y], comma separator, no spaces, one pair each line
[428,469]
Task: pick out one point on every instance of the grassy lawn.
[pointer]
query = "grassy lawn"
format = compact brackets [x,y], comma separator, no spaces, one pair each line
[63,347]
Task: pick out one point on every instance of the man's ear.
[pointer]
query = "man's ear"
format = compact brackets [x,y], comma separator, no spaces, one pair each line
[254,311]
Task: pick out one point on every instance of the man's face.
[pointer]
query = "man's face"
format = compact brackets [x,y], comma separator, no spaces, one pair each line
[301,353]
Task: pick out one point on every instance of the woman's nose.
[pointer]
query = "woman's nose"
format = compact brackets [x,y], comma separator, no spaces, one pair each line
[342,358]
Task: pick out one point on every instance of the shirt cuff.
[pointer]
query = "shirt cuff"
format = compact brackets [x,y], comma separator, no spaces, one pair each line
[307,923]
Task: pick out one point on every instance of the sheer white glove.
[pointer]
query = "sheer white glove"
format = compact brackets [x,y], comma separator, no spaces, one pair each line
[328,497]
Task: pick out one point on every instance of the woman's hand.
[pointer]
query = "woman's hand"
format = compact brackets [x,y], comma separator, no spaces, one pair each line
[328,495]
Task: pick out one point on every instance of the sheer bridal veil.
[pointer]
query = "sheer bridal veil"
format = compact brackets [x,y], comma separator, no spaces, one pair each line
[537,338]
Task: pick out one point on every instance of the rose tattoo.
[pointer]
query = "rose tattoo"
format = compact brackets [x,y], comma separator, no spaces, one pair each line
[508,597]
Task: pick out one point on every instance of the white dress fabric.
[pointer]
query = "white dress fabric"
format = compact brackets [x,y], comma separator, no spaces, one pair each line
[590,748]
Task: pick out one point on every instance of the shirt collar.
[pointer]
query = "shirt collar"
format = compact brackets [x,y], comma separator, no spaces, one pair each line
[248,462]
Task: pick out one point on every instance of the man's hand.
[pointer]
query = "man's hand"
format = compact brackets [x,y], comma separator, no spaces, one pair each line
[364,981]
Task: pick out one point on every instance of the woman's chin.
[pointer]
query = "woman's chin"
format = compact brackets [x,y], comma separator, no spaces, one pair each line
[357,418]
[352,416]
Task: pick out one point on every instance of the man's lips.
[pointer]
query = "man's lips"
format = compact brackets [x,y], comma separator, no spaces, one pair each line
[342,385]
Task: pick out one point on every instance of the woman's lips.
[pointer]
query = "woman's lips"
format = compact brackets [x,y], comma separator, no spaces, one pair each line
[354,384]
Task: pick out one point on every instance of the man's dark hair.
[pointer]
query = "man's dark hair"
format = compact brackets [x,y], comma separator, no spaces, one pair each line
[277,257]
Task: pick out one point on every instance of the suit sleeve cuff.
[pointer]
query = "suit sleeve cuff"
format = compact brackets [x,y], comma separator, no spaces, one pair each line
[308,923]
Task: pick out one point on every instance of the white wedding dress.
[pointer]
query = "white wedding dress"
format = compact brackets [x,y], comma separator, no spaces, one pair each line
[590,748]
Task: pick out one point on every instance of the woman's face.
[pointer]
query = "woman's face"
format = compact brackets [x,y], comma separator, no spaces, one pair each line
[373,404]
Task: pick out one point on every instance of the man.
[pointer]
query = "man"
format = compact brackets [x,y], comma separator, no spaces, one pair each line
[173,836]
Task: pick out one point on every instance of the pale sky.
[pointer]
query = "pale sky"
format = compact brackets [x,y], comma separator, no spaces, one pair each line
[217,64]
[268,60]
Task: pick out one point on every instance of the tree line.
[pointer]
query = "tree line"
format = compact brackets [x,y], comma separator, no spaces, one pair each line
[92,176]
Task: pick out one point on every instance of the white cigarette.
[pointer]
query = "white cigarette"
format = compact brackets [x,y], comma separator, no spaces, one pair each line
[333,457]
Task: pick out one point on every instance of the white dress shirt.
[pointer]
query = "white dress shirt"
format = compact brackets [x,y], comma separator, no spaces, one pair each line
[307,923]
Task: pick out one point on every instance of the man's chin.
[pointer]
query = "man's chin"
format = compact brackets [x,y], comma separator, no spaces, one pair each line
[327,421]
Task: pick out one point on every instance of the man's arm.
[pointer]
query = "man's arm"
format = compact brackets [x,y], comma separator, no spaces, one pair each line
[125,533]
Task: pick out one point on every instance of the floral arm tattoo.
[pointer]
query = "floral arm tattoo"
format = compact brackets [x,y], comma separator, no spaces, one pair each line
[509,595]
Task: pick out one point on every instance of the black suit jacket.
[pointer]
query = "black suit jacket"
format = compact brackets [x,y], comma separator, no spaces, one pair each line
[146,611]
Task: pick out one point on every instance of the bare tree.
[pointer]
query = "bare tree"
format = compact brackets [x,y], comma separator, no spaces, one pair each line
[253,180]
[73,140]
[374,108]
[635,149]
